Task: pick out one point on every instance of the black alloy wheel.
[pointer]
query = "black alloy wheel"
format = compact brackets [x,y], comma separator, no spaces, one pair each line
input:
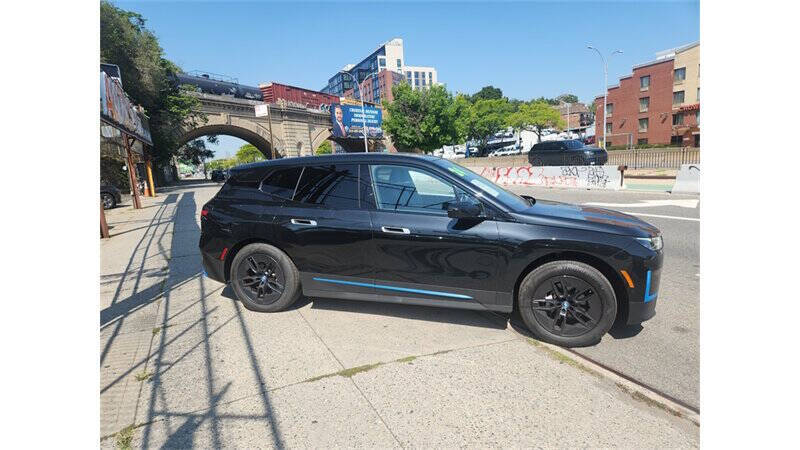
[566,306]
[261,278]
[108,201]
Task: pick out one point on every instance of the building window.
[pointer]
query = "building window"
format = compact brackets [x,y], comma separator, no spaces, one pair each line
[697,117]
[609,127]
[677,119]
[399,64]
[676,140]
[679,75]
[642,141]
[643,123]
[644,82]
[430,77]
[644,104]
[609,108]
[698,94]
[677,97]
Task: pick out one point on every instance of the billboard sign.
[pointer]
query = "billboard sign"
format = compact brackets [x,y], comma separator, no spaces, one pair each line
[348,121]
[117,110]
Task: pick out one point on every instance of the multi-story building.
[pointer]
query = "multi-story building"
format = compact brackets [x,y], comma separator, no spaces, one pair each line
[659,103]
[388,57]
[576,116]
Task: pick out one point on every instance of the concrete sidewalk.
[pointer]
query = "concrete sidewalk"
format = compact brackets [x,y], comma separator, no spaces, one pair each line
[182,364]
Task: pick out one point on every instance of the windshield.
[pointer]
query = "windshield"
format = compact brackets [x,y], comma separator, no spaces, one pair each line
[574,144]
[508,198]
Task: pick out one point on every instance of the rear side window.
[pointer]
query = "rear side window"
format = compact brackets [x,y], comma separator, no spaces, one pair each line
[281,182]
[332,185]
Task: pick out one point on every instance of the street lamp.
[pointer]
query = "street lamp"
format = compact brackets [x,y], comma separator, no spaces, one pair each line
[363,112]
[605,89]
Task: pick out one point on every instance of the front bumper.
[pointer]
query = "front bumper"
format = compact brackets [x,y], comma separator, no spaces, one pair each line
[642,298]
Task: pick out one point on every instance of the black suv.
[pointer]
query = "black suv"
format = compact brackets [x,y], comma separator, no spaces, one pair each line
[422,230]
[218,176]
[571,152]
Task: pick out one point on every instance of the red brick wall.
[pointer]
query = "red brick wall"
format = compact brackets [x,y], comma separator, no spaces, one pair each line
[625,98]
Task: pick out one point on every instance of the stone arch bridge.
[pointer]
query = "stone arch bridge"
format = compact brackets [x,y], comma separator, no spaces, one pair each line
[295,131]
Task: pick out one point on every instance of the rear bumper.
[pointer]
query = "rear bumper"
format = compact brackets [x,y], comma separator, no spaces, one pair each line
[213,268]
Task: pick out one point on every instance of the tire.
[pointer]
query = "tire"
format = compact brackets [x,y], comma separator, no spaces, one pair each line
[258,293]
[580,321]
[536,162]
[108,200]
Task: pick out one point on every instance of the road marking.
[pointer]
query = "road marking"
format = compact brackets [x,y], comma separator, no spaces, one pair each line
[659,215]
[682,203]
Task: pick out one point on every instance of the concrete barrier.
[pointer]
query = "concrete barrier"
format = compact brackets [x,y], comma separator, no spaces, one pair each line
[589,177]
[688,180]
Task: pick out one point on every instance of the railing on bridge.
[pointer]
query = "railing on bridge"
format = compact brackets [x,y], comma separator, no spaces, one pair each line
[660,158]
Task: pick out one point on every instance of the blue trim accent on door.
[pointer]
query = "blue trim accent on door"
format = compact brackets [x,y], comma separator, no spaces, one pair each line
[647,296]
[394,288]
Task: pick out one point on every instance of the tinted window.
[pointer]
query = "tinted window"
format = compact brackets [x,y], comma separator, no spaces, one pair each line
[332,185]
[281,182]
[573,144]
[400,188]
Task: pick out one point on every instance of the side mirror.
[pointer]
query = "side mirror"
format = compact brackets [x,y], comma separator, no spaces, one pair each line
[463,210]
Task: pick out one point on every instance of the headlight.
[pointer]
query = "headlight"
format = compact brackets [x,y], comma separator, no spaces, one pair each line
[653,243]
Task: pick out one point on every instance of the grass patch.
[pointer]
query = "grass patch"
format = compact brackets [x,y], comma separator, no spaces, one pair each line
[406,359]
[156,330]
[124,437]
[356,370]
[563,359]
[144,375]
[649,401]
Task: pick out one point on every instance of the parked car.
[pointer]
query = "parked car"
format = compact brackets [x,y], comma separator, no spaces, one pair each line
[218,175]
[109,195]
[421,230]
[571,152]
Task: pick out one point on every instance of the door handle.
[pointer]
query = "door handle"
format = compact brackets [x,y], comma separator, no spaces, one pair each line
[306,222]
[395,230]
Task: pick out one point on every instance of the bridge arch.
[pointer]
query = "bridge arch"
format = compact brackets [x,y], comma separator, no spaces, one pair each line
[259,142]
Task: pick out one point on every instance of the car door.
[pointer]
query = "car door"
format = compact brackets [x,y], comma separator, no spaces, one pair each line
[419,254]
[326,232]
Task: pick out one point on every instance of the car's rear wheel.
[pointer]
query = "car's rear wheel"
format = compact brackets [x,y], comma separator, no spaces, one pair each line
[536,162]
[567,303]
[264,278]
[108,200]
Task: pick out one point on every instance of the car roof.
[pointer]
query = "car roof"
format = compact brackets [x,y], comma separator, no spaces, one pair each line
[338,158]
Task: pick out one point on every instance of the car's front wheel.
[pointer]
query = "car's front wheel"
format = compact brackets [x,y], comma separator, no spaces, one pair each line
[108,200]
[567,303]
[264,278]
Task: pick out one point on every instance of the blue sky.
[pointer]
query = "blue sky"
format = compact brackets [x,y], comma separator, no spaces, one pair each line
[528,49]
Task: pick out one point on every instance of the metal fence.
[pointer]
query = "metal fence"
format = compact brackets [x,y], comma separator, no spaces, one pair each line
[659,158]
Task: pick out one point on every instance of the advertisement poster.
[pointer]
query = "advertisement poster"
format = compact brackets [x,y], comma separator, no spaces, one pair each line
[348,121]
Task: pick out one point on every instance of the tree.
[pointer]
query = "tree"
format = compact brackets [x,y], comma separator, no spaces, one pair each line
[482,119]
[567,98]
[538,115]
[487,93]
[421,120]
[147,78]
[195,153]
[325,148]
[248,153]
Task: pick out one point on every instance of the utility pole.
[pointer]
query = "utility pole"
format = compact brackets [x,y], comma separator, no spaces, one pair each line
[605,90]
[271,139]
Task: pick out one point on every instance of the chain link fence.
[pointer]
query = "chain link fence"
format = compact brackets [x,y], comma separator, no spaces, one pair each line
[660,158]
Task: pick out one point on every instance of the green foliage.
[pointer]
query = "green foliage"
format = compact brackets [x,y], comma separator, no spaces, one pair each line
[549,101]
[248,153]
[568,98]
[146,77]
[538,115]
[482,119]
[194,152]
[421,120]
[111,171]
[487,93]
[325,149]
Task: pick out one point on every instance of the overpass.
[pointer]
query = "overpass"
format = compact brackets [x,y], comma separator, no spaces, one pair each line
[296,131]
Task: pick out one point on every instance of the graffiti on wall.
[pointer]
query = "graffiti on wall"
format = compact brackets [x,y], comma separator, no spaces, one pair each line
[599,177]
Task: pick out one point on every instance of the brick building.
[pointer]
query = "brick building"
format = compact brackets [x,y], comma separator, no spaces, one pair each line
[651,106]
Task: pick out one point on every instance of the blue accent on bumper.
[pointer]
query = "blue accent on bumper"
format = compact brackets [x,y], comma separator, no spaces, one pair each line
[647,296]
[394,288]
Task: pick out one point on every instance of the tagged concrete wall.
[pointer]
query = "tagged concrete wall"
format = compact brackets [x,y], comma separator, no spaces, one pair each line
[589,177]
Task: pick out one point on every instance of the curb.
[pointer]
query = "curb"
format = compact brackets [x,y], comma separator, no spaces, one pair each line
[635,390]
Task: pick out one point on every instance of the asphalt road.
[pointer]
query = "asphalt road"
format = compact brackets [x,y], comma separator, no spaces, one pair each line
[665,352]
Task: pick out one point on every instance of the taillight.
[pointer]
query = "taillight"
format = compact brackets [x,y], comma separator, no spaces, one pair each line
[204,211]
[224,252]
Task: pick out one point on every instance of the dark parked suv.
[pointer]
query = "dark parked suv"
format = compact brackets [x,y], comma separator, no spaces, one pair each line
[424,231]
[571,152]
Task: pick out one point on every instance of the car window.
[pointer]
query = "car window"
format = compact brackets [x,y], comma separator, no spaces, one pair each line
[403,188]
[574,144]
[331,185]
[282,182]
